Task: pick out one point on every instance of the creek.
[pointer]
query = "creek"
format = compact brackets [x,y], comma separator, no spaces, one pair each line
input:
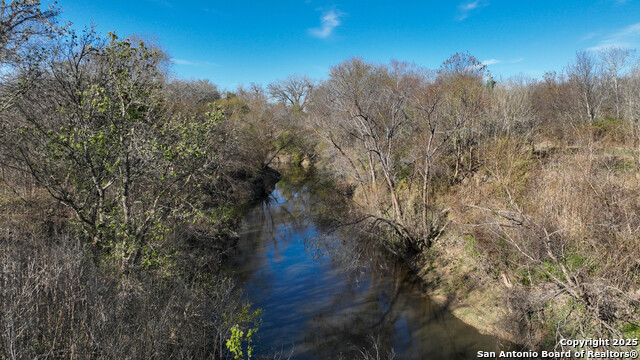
[325,293]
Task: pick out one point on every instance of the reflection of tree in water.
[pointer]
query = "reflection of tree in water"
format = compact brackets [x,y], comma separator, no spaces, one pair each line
[384,288]
[341,328]
[388,307]
[276,219]
[374,285]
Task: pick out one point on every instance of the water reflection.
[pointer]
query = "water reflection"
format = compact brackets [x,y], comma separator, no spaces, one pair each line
[329,295]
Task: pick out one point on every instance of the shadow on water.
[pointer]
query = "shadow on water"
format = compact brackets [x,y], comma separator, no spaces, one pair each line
[326,294]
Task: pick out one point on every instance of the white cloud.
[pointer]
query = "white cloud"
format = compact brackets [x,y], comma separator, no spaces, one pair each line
[630,30]
[328,22]
[465,9]
[191,63]
[181,62]
[626,37]
[491,62]
[470,6]
[496,61]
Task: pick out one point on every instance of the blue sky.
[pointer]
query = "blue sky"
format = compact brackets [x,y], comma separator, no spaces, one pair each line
[239,42]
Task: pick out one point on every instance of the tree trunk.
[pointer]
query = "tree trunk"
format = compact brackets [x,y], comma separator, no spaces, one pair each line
[425,193]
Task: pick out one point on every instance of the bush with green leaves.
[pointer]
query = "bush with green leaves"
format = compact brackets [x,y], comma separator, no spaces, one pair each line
[94,134]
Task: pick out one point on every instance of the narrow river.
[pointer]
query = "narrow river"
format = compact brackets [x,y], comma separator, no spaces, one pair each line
[327,295]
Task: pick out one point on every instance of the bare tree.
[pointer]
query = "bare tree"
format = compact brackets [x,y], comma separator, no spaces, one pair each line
[553,99]
[513,108]
[24,29]
[362,110]
[465,101]
[631,95]
[438,132]
[370,111]
[293,91]
[21,23]
[585,73]
[191,96]
[615,61]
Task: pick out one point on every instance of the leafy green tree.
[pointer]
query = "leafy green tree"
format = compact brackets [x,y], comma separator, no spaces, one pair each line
[95,137]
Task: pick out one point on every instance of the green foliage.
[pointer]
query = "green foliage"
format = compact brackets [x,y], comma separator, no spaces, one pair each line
[108,152]
[540,273]
[608,123]
[232,106]
[560,318]
[290,142]
[609,127]
[575,260]
[237,339]
[471,246]
[523,276]
[234,343]
[631,331]
[297,159]
[620,166]
[285,142]
[553,269]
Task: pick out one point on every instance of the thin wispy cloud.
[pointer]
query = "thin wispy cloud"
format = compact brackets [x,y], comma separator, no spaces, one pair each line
[491,62]
[181,62]
[465,9]
[496,61]
[631,30]
[192,63]
[470,6]
[626,37]
[328,22]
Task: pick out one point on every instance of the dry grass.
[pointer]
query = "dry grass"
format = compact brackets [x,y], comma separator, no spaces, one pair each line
[560,233]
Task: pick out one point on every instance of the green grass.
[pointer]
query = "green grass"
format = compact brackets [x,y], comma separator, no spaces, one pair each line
[631,331]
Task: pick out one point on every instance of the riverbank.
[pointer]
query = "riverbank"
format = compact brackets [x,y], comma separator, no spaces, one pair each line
[448,275]
[450,280]
[530,242]
[540,242]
